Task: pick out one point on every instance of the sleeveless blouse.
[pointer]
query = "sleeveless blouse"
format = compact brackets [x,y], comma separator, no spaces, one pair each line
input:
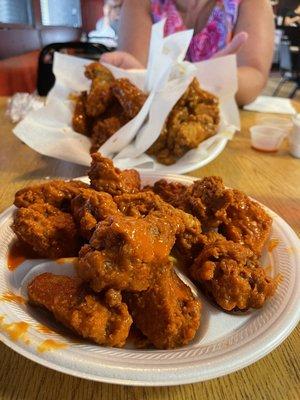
[214,36]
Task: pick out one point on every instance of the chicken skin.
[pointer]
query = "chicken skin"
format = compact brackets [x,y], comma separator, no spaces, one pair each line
[123,251]
[90,207]
[167,313]
[230,274]
[106,178]
[129,96]
[103,319]
[100,94]
[57,193]
[49,231]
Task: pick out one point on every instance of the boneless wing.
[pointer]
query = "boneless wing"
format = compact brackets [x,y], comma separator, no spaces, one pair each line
[106,178]
[129,96]
[100,94]
[230,273]
[167,312]
[58,193]
[80,121]
[142,204]
[49,231]
[104,320]
[90,207]
[246,222]
[123,250]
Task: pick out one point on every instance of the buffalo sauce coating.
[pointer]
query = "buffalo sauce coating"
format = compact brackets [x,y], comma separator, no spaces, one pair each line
[148,246]
[18,253]
[50,345]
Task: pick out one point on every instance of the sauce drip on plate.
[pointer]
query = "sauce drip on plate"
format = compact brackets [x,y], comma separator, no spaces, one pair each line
[273,244]
[16,330]
[13,298]
[18,253]
[50,345]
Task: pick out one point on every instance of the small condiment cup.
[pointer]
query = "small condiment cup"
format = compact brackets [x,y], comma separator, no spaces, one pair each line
[266,138]
[284,123]
[294,138]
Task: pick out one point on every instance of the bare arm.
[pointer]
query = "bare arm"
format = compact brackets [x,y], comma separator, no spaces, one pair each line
[135,29]
[255,57]
[291,20]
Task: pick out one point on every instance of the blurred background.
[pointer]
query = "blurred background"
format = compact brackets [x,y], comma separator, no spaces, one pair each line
[31,30]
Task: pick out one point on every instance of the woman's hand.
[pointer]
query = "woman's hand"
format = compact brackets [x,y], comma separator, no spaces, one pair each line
[121,59]
[234,46]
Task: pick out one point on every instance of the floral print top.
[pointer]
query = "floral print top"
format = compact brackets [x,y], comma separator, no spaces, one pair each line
[215,35]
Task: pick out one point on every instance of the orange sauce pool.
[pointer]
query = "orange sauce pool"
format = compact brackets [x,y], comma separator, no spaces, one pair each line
[50,345]
[273,244]
[13,298]
[18,253]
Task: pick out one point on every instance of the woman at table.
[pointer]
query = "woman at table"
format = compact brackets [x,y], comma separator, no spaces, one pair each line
[221,27]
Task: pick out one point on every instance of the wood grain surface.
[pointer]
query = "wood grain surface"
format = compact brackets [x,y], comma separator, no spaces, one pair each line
[273,179]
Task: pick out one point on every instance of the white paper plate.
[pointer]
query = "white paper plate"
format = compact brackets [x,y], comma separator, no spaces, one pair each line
[223,344]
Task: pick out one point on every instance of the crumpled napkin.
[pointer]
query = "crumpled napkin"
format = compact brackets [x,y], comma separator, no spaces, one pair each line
[20,104]
[268,104]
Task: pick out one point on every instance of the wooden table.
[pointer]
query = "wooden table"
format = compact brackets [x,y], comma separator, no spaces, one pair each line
[272,179]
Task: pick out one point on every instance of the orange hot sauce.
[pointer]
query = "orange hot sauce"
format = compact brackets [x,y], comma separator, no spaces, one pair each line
[18,253]
[50,345]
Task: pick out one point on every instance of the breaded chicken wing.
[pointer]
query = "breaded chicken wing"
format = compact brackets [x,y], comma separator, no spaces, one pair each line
[129,96]
[231,275]
[106,178]
[100,94]
[123,250]
[49,231]
[90,207]
[103,129]
[194,118]
[188,234]
[246,222]
[167,313]
[104,320]
[236,216]
[206,199]
[81,123]
[57,193]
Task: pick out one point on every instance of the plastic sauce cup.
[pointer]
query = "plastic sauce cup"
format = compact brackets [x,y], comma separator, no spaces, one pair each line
[294,138]
[277,122]
[267,138]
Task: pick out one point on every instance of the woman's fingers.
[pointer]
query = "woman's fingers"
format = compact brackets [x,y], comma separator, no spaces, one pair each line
[234,46]
[121,59]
